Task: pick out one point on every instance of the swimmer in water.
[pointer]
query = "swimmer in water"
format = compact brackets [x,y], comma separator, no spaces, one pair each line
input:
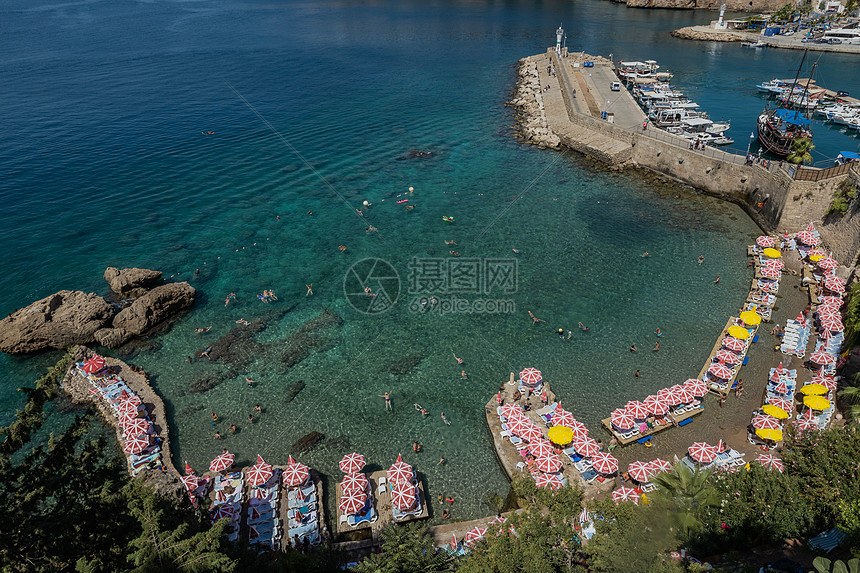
[582,327]
[535,319]
[242,321]
[701,259]
[202,329]
[517,251]
[450,242]
[445,419]
[645,254]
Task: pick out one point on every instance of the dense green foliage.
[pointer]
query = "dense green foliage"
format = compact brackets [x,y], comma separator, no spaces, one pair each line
[801,151]
[852,317]
[406,548]
[844,194]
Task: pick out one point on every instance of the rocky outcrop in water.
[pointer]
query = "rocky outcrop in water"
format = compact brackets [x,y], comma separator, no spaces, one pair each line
[112,337]
[238,347]
[293,391]
[415,154]
[692,33]
[132,282]
[406,364]
[57,321]
[308,337]
[531,116]
[306,443]
[154,307]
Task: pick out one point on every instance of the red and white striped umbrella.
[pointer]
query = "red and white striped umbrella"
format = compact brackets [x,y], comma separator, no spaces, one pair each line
[640,471]
[509,410]
[762,422]
[579,429]
[475,534]
[404,495]
[352,502]
[563,418]
[702,452]
[295,473]
[807,415]
[664,393]
[774,264]
[532,434]
[351,463]
[727,356]
[680,395]
[399,471]
[625,494]
[604,463]
[720,370]
[549,481]
[816,253]
[802,424]
[222,462]
[771,273]
[549,464]
[188,469]
[586,447]
[821,357]
[832,324]
[825,380]
[94,364]
[765,241]
[807,238]
[259,474]
[834,301]
[770,462]
[829,312]
[656,405]
[810,227]
[190,482]
[353,482]
[621,419]
[519,425]
[781,388]
[637,409]
[135,445]
[827,263]
[530,376]
[733,343]
[659,466]
[129,407]
[780,403]
[137,427]
[222,511]
[696,387]
[540,448]
[834,283]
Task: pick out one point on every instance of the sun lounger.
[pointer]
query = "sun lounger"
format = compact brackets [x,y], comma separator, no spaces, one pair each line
[589,476]
[827,541]
[582,465]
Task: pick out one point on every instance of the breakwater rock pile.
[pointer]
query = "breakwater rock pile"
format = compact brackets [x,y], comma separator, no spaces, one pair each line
[67,318]
[528,101]
[697,33]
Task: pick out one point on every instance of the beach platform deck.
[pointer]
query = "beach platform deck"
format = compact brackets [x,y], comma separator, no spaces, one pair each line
[78,387]
[385,508]
[509,456]
[669,421]
[716,391]
[284,506]
[342,525]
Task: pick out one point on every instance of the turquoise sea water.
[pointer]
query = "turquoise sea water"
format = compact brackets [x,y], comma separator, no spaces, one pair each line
[314,107]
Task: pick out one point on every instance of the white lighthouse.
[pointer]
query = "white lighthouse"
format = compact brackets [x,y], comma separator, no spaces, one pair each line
[559,34]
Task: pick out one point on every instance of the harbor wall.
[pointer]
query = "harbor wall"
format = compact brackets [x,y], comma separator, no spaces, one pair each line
[767,193]
[733,5]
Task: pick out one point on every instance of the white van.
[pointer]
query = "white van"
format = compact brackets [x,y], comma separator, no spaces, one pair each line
[616,86]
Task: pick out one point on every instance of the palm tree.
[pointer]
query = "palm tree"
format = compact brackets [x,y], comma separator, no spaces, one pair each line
[688,492]
[801,151]
[852,396]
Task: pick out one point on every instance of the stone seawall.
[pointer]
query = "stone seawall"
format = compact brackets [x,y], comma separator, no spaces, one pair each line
[767,193]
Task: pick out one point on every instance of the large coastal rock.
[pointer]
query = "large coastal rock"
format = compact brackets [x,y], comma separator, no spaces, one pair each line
[154,307]
[733,5]
[112,337]
[57,321]
[132,282]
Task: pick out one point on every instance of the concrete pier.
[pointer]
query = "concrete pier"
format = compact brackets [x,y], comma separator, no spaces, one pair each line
[570,103]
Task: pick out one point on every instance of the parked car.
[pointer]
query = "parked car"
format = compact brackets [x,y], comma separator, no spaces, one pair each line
[616,86]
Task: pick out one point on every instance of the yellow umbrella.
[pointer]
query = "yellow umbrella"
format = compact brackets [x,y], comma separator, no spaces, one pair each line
[750,317]
[817,402]
[773,435]
[772,253]
[815,258]
[739,332]
[814,390]
[774,411]
[560,435]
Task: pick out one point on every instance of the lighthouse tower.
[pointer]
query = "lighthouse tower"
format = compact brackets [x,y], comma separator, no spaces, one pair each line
[559,34]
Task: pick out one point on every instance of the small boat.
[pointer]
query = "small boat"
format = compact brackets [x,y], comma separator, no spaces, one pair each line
[847,157]
[754,44]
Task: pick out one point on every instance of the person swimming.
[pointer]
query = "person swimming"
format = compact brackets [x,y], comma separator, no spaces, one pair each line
[517,251]
[445,419]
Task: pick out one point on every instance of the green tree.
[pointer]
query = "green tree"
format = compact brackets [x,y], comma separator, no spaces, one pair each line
[540,538]
[406,548]
[171,544]
[801,151]
[852,396]
[687,495]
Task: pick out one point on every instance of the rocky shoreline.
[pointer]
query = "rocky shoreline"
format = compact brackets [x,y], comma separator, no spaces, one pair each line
[68,318]
[530,112]
[696,33]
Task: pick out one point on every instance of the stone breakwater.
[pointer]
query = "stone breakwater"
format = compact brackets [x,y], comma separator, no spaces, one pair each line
[698,33]
[530,110]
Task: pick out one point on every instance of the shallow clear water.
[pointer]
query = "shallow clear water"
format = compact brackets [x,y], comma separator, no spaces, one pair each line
[106,165]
